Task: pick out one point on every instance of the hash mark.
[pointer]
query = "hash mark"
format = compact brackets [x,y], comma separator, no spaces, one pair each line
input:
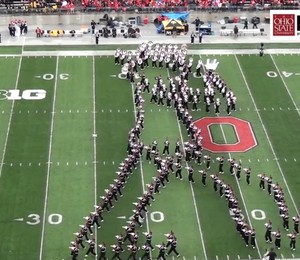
[267,159]
[249,160]
[289,108]
[20,164]
[39,164]
[102,111]
[295,160]
[67,163]
[76,163]
[126,110]
[85,163]
[273,108]
[57,163]
[285,159]
[11,164]
[258,160]
[29,164]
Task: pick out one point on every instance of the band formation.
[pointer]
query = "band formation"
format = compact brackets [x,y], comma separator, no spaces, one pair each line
[178,95]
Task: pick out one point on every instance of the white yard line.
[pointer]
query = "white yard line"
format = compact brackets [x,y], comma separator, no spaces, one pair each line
[241,193]
[239,187]
[285,85]
[10,118]
[266,133]
[193,193]
[94,142]
[49,162]
[141,163]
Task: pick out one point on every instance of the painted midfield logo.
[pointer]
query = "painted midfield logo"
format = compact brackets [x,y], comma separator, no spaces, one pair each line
[17,94]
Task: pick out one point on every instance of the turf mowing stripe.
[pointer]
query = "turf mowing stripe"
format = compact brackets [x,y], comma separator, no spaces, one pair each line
[285,85]
[193,193]
[239,187]
[241,193]
[95,143]
[10,117]
[266,133]
[141,164]
[49,162]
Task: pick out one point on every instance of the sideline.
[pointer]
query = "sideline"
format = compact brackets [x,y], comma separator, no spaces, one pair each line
[81,53]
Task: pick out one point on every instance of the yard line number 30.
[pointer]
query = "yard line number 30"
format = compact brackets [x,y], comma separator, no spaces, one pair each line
[35,219]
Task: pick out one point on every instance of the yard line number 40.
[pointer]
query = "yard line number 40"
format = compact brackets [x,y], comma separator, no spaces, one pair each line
[273,74]
[158,216]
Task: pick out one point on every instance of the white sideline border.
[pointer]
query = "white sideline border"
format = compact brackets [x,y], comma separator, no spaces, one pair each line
[82,53]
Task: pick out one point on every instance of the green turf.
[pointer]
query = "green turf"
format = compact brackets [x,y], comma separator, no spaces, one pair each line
[223,134]
[75,84]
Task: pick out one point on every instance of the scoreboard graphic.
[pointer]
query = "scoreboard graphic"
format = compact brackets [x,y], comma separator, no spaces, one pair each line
[285,25]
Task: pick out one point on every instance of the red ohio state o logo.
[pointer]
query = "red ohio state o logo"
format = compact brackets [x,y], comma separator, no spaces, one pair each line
[243,131]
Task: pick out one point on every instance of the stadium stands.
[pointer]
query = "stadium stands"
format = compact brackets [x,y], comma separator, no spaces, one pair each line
[148,6]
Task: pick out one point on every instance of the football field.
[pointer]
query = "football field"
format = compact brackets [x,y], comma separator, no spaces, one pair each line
[64,130]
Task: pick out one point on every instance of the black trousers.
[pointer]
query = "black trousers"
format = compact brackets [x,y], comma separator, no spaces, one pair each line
[277,242]
[117,256]
[268,236]
[190,177]
[161,256]
[102,256]
[173,249]
[91,250]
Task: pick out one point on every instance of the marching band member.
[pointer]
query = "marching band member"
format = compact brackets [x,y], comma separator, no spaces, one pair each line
[296,224]
[203,177]
[293,240]
[208,160]
[262,178]
[248,174]
[285,218]
[146,252]
[102,252]
[148,236]
[74,251]
[133,250]
[117,250]
[91,248]
[268,237]
[253,238]
[190,173]
[162,251]
[269,184]
[221,164]
[277,236]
